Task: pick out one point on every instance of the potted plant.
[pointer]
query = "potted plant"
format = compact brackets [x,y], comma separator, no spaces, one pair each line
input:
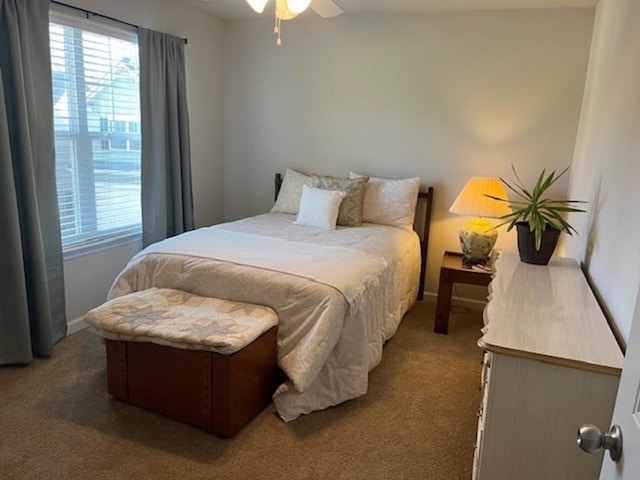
[539,220]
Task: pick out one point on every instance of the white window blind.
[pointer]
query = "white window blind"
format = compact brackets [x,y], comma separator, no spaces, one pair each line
[96,100]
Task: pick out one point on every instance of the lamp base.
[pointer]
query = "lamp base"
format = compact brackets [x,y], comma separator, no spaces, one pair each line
[470,262]
[477,239]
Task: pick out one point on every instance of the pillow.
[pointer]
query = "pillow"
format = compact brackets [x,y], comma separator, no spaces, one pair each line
[288,200]
[390,202]
[350,212]
[319,208]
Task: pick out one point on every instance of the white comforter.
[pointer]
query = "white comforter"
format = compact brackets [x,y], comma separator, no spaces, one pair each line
[338,294]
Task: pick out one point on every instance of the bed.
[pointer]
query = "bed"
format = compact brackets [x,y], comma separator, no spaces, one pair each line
[339,294]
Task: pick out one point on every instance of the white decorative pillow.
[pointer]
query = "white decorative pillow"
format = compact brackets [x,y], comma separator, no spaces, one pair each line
[319,208]
[288,200]
[390,202]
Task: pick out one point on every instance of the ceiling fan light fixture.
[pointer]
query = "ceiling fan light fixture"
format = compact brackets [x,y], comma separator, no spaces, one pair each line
[298,6]
[282,10]
[257,5]
[288,9]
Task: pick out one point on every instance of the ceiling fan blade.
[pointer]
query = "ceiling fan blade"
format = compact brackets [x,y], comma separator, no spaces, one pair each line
[326,8]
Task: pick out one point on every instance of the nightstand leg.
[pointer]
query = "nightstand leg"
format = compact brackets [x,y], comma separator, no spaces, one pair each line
[443,305]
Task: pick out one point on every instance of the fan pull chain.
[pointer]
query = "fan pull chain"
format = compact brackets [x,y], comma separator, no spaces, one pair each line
[277,29]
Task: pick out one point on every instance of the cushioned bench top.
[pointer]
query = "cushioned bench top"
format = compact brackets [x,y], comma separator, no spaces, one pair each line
[181,319]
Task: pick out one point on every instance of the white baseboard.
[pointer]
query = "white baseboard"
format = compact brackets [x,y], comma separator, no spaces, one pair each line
[76,325]
[471,303]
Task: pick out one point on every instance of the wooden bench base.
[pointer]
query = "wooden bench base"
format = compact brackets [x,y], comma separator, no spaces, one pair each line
[218,393]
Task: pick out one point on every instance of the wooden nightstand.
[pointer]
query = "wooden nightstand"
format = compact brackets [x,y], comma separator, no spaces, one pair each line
[453,271]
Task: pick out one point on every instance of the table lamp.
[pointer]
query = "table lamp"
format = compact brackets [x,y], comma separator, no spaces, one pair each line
[477,236]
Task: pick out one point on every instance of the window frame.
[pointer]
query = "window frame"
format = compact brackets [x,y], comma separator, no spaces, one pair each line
[62,16]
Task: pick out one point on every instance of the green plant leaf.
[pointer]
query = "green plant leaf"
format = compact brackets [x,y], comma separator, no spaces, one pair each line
[518,191]
[496,198]
[548,182]
[557,223]
[566,227]
[511,202]
[537,189]
[551,200]
[538,235]
[520,183]
[563,209]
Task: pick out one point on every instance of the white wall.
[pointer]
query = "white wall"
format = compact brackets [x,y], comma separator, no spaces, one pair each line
[89,277]
[444,96]
[606,165]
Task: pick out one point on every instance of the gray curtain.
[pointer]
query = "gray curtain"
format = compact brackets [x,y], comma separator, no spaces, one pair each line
[32,308]
[167,205]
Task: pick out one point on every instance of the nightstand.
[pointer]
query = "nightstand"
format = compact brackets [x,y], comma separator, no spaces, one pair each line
[454,271]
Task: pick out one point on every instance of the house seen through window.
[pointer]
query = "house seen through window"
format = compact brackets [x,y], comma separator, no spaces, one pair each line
[96,99]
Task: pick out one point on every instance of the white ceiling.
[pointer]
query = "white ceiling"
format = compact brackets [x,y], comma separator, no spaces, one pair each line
[240,8]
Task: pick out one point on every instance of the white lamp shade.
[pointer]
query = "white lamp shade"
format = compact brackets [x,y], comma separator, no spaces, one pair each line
[257,5]
[472,200]
[298,6]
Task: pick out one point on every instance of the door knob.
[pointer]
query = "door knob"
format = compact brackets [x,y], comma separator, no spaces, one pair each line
[591,440]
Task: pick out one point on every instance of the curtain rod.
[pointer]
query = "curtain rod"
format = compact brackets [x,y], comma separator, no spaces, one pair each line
[95,14]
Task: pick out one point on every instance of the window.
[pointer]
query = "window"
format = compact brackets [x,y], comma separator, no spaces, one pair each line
[96,99]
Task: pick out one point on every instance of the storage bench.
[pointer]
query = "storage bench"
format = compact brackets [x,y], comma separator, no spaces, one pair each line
[208,362]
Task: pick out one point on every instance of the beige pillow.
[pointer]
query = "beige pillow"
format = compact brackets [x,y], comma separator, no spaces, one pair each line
[288,200]
[350,213]
[390,202]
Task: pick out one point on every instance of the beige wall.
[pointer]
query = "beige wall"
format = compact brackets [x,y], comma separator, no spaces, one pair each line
[606,165]
[89,277]
[444,96]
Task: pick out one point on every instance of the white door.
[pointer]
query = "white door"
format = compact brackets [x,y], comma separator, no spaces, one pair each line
[627,411]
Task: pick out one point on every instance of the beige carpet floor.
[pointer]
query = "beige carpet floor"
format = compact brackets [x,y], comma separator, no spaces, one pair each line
[417,421]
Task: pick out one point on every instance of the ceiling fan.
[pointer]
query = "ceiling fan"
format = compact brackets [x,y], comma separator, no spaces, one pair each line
[288,9]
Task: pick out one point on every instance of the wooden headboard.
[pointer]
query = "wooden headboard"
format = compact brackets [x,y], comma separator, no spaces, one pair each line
[421,225]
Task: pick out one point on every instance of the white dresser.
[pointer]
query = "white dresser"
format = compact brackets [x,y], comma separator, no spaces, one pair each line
[551,364]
